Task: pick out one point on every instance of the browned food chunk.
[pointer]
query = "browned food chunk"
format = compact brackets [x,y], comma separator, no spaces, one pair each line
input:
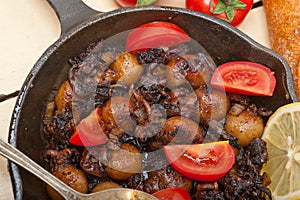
[177,130]
[208,191]
[194,69]
[58,126]
[71,176]
[116,112]
[245,126]
[213,104]
[126,69]
[123,163]
[160,179]
[61,158]
[105,186]
[90,162]
[64,96]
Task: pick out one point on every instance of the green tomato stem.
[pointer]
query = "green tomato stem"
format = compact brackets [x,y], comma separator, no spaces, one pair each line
[227,7]
[227,2]
[145,2]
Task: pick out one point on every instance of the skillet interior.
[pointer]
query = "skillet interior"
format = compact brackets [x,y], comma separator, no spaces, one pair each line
[222,42]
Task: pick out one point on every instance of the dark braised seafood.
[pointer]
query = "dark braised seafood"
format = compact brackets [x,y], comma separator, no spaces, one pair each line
[140,103]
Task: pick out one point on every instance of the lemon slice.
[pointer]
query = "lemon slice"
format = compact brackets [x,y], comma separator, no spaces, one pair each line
[282,134]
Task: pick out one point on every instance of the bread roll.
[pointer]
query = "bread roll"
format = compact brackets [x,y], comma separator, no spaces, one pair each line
[283,20]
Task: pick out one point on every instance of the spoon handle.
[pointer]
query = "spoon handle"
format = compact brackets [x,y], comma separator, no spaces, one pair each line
[16,156]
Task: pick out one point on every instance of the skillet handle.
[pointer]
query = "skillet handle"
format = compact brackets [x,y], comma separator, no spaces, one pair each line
[71,13]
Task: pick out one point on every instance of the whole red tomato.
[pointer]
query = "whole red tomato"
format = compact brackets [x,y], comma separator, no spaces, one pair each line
[233,11]
[132,3]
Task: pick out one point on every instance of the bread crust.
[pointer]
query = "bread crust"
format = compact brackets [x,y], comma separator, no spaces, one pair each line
[283,20]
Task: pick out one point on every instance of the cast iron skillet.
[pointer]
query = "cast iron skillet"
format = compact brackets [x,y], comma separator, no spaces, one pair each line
[223,42]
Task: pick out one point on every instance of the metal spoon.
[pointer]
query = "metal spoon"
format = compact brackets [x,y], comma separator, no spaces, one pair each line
[22,160]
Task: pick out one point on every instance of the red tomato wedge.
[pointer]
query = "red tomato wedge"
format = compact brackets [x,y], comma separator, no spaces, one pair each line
[172,194]
[155,34]
[243,77]
[90,131]
[201,162]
